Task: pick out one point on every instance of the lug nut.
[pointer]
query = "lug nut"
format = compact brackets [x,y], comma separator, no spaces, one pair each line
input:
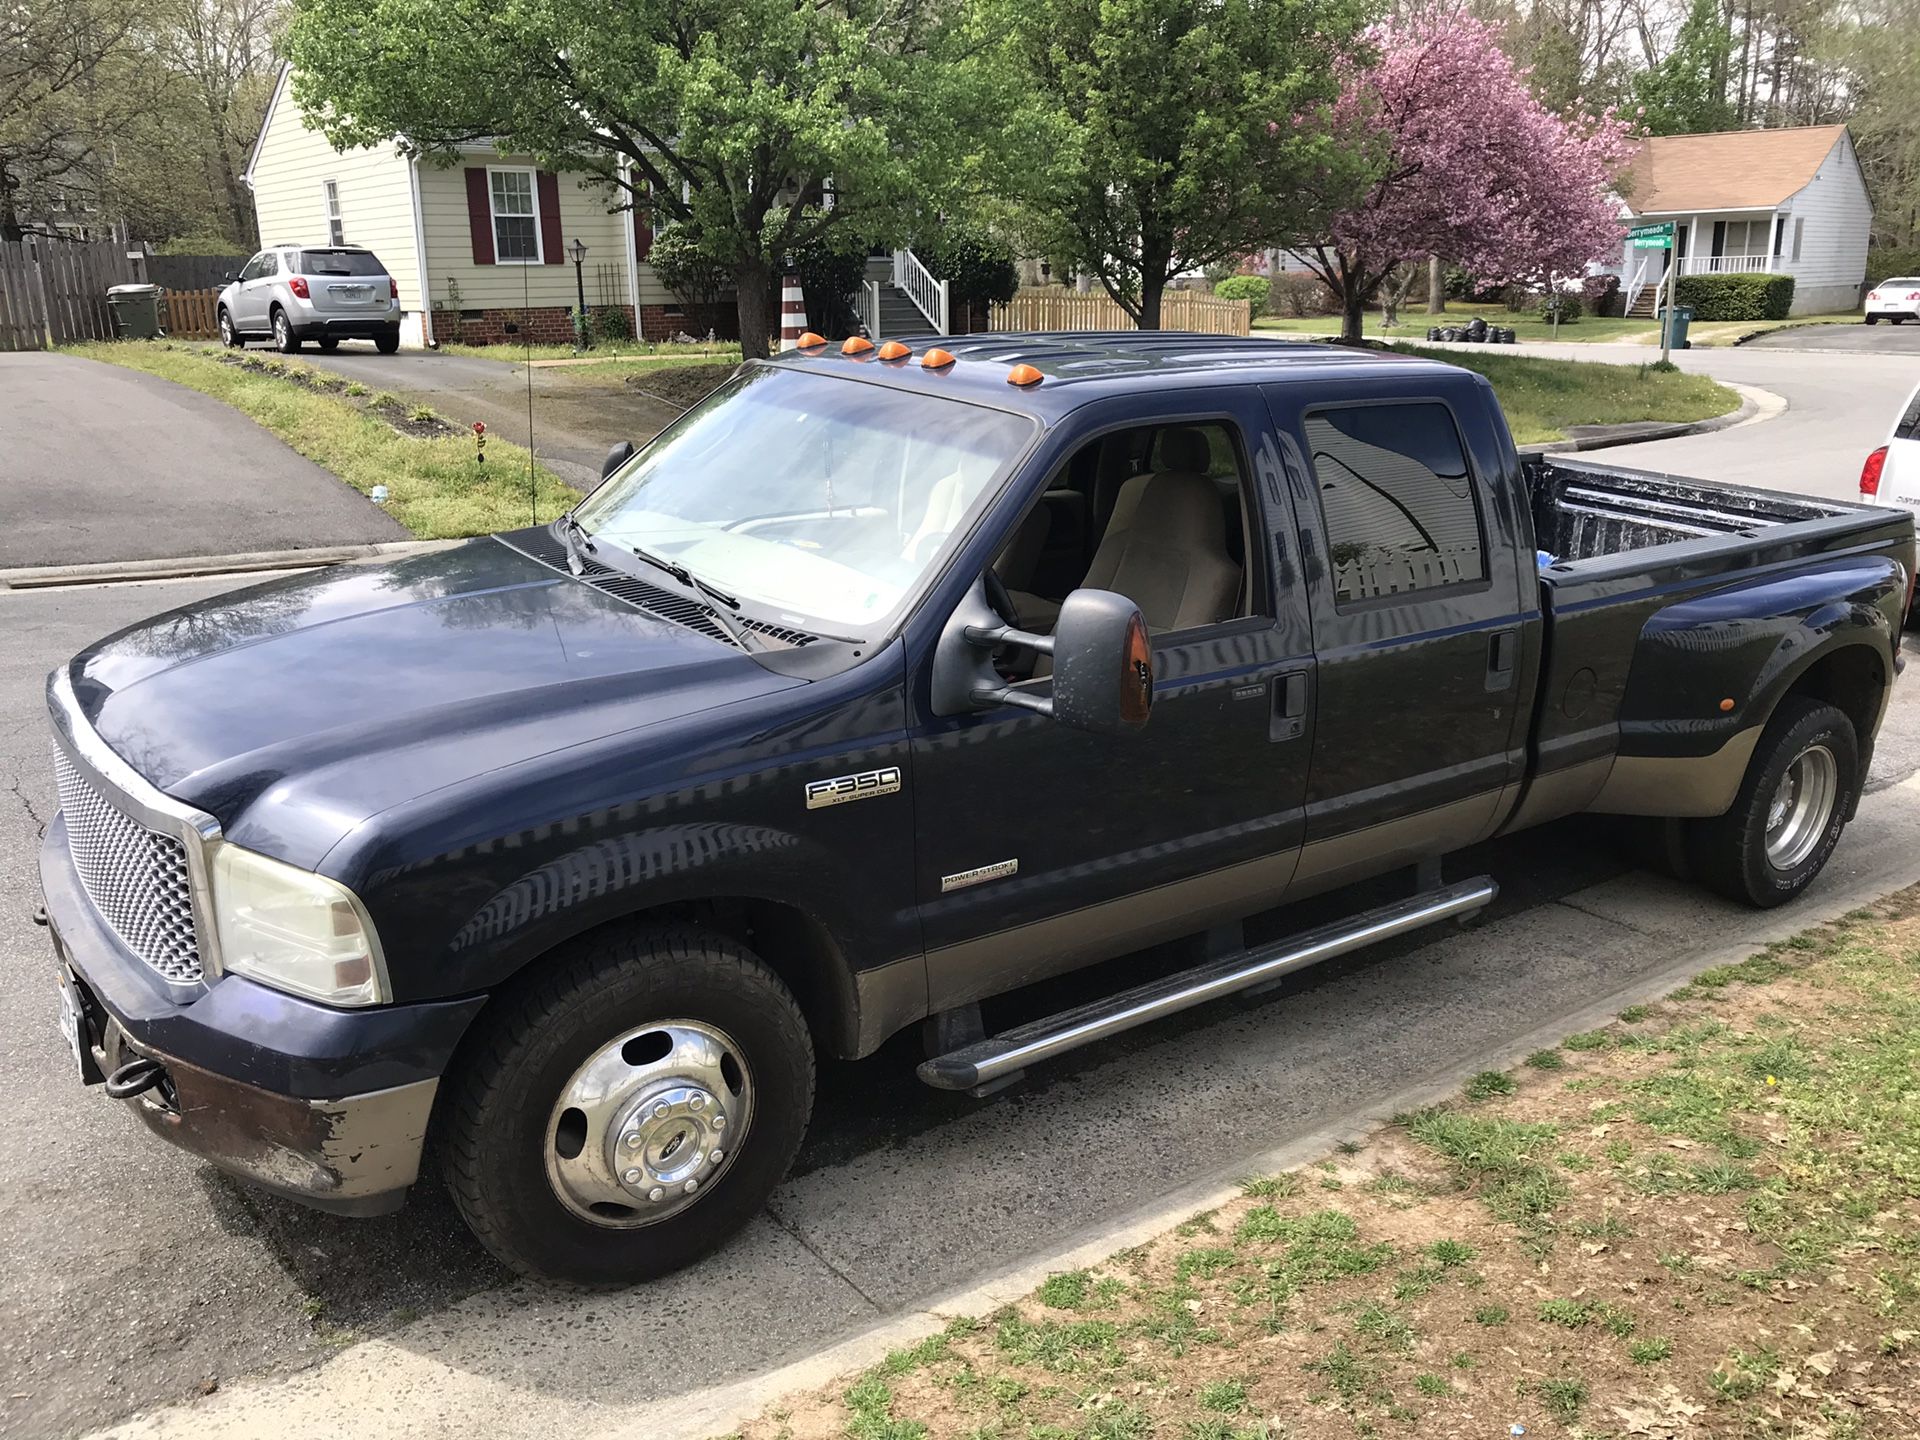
[657,1193]
[717,1156]
[719,1121]
[632,1177]
[633,1139]
[692,1185]
[660,1111]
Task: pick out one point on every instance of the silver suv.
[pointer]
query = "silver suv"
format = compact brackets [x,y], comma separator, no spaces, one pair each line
[312,292]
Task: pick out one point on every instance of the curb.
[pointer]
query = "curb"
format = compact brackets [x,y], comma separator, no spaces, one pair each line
[117,572]
[1756,405]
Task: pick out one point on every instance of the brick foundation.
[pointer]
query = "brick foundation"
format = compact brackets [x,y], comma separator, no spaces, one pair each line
[553,324]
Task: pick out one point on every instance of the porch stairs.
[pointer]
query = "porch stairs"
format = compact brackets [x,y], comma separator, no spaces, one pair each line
[900,297]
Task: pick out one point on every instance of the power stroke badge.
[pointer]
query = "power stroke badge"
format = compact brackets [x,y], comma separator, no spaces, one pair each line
[842,788]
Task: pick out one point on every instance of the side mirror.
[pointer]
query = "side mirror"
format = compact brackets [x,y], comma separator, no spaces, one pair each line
[229,277]
[1102,663]
[616,457]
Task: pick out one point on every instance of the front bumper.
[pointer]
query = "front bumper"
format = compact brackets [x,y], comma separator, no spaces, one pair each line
[325,1106]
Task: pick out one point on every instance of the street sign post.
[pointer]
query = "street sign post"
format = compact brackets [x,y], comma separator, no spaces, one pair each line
[1659,236]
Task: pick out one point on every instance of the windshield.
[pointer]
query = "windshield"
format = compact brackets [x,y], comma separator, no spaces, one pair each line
[823,502]
[340,262]
[1897,280]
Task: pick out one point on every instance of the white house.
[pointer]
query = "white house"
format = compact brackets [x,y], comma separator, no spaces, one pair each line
[474,245]
[1790,202]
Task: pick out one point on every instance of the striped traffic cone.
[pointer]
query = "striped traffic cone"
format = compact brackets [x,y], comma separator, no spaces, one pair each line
[793,313]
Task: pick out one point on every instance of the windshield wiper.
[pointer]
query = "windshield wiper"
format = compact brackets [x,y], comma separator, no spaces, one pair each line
[722,606]
[577,539]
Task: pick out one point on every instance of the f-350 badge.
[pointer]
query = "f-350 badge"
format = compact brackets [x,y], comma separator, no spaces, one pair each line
[842,788]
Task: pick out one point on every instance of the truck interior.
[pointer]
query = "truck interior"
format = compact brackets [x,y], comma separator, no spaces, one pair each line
[1157,513]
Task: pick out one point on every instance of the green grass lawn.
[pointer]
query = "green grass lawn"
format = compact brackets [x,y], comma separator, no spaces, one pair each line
[1528,326]
[607,352]
[1699,1220]
[1543,397]
[435,486]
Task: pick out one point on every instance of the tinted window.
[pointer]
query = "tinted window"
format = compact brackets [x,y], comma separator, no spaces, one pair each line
[1398,499]
[255,268]
[339,262]
[1909,426]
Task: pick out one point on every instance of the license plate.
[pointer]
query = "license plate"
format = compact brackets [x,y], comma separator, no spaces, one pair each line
[355,294]
[72,1026]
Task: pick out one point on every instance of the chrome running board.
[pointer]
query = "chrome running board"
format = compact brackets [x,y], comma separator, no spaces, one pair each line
[998,1057]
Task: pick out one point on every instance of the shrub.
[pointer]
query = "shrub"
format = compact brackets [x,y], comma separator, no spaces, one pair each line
[695,277]
[977,266]
[1754,296]
[1570,306]
[1605,298]
[831,267]
[1519,297]
[611,322]
[1297,296]
[1254,289]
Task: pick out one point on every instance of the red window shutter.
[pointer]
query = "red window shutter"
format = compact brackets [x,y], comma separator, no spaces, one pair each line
[479,215]
[642,230]
[550,241]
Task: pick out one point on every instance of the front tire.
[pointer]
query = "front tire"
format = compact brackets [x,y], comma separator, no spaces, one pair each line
[629,1108]
[284,340]
[229,336]
[1800,788]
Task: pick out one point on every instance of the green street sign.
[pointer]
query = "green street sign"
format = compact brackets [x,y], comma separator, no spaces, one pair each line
[1652,237]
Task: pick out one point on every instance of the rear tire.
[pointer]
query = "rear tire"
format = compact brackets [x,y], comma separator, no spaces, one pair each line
[1872,319]
[1799,789]
[1897,319]
[284,340]
[387,344]
[663,1037]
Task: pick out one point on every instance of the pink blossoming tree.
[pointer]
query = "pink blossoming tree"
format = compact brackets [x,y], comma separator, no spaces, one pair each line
[1466,164]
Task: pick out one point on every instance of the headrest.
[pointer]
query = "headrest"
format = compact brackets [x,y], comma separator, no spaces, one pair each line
[1184,448]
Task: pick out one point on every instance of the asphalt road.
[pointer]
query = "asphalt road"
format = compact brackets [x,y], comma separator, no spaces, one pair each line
[1878,339]
[98,462]
[135,1276]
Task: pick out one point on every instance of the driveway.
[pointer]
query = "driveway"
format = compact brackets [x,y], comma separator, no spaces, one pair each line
[98,462]
[1880,339]
[575,418]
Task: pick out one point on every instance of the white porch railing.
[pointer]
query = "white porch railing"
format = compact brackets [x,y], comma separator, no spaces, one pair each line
[866,307]
[1637,283]
[1731,264]
[916,282]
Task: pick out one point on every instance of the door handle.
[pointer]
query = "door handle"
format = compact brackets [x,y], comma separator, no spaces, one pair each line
[1289,706]
[1503,648]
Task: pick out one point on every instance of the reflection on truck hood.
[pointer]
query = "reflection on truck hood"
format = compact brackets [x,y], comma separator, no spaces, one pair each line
[334,695]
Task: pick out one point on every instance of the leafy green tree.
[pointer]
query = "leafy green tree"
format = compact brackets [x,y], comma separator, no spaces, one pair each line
[1179,131]
[760,125]
[1685,93]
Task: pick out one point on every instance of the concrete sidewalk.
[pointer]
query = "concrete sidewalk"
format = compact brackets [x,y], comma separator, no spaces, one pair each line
[99,462]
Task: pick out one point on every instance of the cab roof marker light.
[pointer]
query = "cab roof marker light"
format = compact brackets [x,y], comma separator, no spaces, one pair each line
[810,341]
[936,359]
[856,345]
[895,350]
[1024,375]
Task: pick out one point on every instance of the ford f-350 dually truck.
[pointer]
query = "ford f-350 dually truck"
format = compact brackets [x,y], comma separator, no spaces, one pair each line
[884,681]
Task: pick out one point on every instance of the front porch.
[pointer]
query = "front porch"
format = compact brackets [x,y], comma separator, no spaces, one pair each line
[1727,242]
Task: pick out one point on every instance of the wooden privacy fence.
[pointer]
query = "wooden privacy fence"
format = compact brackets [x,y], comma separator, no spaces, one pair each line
[189,314]
[1061,309]
[53,292]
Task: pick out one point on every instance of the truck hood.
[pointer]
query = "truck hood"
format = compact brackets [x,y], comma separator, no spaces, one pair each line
[294,710]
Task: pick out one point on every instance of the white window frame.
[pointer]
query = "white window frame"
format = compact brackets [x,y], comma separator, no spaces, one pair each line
[493,216]
[330,204]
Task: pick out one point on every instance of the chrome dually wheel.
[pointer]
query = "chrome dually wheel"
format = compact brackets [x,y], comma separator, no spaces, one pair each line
[1801,806]
[648,1123]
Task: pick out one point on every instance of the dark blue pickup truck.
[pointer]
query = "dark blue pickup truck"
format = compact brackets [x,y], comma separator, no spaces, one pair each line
[884,681]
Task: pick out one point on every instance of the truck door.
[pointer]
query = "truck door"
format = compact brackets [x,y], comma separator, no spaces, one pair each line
[1425,648]
[1041,847]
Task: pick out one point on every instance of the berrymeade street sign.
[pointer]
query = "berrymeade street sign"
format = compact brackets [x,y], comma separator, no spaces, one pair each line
[1652,237]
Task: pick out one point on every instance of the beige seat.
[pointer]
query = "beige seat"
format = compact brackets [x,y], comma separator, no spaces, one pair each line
[1166,546]
[1016,566]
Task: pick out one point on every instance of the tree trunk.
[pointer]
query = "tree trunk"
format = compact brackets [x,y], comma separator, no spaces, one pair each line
[1352,307]
[1436,287]
[1151,288]
[753,282]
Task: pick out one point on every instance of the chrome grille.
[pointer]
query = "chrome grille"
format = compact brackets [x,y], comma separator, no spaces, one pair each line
[136,877]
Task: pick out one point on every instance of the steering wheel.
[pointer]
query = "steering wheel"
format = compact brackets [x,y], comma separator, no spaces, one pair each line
[999,599]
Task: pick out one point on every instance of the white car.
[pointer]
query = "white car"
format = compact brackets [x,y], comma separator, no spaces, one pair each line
[1897,298]
[1891,475]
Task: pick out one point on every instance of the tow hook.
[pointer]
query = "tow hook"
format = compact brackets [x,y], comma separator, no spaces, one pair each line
[136,1077]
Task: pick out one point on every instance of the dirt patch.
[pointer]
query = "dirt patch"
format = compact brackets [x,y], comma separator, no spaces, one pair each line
[1701,1221]
[680,386]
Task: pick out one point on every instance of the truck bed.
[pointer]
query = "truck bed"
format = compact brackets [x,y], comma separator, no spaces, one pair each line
[1584,512]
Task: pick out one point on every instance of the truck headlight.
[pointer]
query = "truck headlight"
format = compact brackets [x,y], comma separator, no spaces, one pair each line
[294,930]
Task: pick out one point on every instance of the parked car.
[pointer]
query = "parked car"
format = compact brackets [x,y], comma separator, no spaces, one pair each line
[575,845]
[323,293]
[1895,300]
[1891,474]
